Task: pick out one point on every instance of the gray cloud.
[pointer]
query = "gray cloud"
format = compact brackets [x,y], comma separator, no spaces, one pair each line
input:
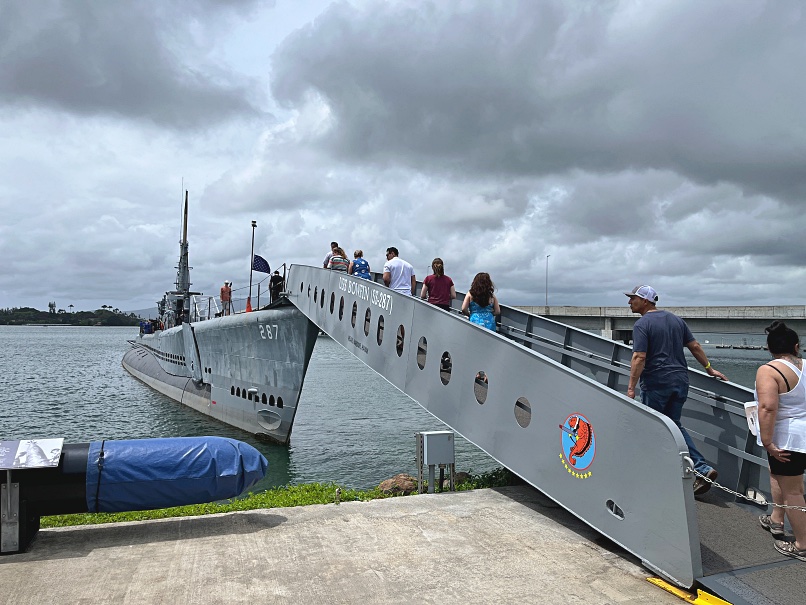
[700,89]
[632,142]
[128,60]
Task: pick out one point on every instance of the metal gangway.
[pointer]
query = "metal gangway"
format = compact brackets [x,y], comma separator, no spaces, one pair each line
[548,401]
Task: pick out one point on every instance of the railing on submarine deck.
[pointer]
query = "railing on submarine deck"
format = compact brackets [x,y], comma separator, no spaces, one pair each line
[570,372]
[203,307]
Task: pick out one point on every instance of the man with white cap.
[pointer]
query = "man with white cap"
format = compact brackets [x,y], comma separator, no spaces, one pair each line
[658,360]
[226,297]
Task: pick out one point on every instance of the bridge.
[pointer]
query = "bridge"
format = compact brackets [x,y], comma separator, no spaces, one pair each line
[617,322]
[548,401]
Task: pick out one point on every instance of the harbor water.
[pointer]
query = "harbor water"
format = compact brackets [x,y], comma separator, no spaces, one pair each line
[352,427]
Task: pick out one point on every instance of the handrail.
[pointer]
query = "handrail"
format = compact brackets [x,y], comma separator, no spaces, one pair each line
[203,307]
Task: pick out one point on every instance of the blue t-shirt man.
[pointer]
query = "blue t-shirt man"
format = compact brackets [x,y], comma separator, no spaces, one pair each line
[662,336]
[659,362]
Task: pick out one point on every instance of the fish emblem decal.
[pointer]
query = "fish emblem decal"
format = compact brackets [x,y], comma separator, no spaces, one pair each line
[578,445]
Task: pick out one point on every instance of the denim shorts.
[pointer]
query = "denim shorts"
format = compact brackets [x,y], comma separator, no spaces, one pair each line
[796,465]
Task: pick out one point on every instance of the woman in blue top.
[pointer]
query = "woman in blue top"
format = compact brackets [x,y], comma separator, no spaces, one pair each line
[480,304]
[360,267]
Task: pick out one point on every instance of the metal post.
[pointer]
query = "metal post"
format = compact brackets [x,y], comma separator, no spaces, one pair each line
[252,258]
[9,515]
[547,282]
[419,457]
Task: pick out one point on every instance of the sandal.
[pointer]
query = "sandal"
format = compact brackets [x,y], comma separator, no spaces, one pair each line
[776,529]
[788,549]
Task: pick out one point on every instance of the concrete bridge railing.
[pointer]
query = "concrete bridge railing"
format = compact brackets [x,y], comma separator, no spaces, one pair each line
[617,322]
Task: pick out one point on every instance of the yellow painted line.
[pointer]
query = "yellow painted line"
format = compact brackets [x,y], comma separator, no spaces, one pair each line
[701,598]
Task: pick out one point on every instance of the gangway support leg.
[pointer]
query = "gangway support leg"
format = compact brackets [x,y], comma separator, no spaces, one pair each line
[17,527]
[9,515]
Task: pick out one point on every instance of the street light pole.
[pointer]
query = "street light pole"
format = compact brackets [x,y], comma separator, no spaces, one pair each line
[251,262]
[547,281]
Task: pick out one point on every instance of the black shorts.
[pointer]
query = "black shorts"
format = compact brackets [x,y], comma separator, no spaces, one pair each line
[796,465]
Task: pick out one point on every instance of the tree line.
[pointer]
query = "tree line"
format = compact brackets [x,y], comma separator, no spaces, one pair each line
[106,316]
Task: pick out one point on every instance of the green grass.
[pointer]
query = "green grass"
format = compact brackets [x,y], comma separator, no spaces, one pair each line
[278,497]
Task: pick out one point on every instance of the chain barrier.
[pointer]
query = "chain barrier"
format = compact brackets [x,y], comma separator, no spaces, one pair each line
[760,499]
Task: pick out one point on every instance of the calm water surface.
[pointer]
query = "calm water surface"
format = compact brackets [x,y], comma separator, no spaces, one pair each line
[352,427]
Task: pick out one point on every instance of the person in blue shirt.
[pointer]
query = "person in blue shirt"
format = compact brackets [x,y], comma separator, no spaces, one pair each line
[360,267]
[480,304]
[660,364]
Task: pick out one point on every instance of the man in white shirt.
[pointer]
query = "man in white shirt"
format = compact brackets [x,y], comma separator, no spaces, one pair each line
[398,274]
[333,246]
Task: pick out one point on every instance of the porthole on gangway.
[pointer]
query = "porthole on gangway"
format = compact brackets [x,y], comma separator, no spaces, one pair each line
[341,308]
[367,321]
[401,337]
[422,351]
[355,314]
[380,329]
[445,367]
[523,412]
[481,386]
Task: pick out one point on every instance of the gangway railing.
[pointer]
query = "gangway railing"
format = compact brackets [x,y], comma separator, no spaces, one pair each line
[546,401]
[714,414]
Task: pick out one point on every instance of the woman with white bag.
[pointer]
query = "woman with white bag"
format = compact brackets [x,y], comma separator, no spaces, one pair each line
[781,395]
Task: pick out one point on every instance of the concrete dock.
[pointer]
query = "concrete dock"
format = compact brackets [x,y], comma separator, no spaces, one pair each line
[507,545]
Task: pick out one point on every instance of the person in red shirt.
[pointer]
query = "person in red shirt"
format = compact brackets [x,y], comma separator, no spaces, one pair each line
[438,289]
[226,297]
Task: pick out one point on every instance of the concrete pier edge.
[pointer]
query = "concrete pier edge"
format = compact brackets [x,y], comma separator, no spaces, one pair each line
[508,545]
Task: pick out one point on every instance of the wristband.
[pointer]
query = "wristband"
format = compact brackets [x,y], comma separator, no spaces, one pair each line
[708,366]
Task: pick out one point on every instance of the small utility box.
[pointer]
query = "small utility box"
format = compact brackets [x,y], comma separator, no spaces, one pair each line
[435,449]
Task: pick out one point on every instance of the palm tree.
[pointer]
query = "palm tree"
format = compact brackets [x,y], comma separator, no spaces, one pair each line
[71,308]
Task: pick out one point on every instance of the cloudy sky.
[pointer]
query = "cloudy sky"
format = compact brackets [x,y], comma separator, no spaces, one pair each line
[657,142]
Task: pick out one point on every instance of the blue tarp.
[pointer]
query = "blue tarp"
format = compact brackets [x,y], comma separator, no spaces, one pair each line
[142,474]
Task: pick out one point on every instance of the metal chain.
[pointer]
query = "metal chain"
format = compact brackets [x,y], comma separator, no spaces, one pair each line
[738,495]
